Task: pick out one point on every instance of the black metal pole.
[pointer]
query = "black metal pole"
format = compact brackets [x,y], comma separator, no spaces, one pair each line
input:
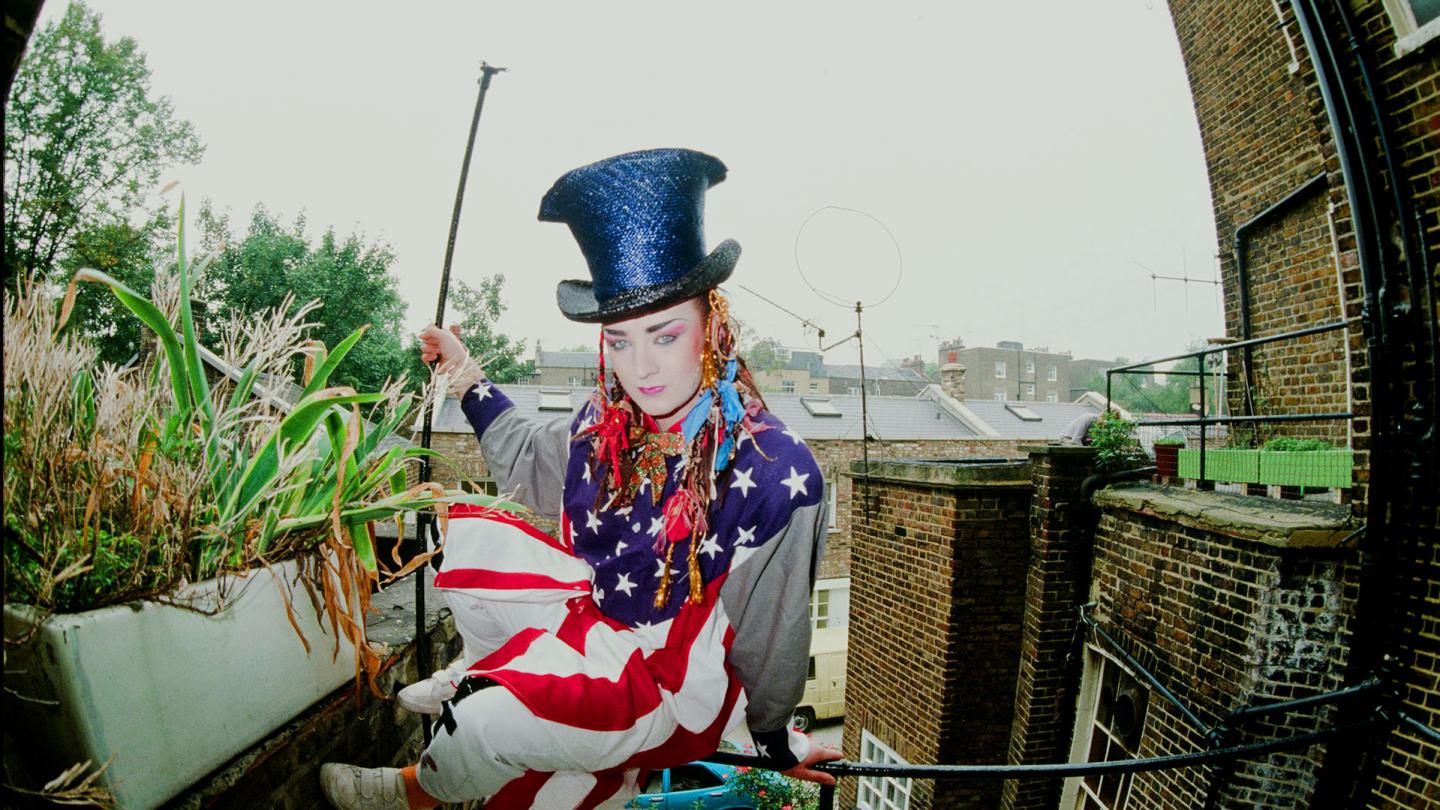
[424,523]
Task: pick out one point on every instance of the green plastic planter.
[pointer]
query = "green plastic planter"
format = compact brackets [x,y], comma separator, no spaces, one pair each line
[1325,469]
[1225,464]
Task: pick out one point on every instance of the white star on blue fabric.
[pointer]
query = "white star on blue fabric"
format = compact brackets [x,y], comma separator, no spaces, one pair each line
[620,546]
[796,483]
[792,434]
[644,484]
[635,527]
[743,481]
[746,535]
[585,472]
[591,522]
[625,512]
[624,585]
[710,546]
[762,750]
[660,569]
[656,524]
[598,594]
[482,391]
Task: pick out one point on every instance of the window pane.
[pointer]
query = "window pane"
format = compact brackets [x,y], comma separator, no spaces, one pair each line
[1425,10]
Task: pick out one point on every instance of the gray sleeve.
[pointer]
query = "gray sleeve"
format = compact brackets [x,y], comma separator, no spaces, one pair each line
[767,598]
[528,459]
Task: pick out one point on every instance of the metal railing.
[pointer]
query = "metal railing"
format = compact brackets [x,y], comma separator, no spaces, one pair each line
[1219,750]
[1208,375]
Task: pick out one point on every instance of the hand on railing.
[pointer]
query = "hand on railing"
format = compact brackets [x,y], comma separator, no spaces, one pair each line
[819,752]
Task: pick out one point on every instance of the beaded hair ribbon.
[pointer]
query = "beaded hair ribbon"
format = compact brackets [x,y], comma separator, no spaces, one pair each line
[623,453]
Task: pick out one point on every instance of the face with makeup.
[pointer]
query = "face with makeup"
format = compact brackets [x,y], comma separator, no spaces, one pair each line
[656,358]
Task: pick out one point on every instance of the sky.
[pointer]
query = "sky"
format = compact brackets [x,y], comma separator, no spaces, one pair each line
[986,171]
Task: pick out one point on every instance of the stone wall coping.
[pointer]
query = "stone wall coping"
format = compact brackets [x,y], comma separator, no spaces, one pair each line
[947,473]
[1277,523]
[1056,449]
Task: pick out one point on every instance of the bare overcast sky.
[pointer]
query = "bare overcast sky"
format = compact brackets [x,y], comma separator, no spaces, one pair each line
[1028,158]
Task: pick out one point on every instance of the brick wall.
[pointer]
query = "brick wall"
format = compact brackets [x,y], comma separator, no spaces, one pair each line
[1224,620]
[937,593]
[1061,528]
[1262,140]
[1265,130]
[835,457]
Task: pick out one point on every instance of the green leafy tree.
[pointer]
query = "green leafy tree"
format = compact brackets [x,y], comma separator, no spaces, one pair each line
[476,311]
[85,142]
[350,277]
[1143,393]
[765,354]
[126,253]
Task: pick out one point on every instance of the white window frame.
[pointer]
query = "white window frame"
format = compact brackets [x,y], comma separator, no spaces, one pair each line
[1001,396]
[819,609]
[1076,792]
[1052,397]
[1410,35]
[1053,375]
[814,387]
[1030,367]
[999,369]
[1030,390]
[881,792]
[787,386]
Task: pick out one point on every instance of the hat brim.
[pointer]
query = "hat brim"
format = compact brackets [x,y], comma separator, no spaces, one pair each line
[577,298]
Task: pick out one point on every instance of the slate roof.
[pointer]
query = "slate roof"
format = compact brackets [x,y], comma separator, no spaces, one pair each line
[891,418]
[1054,417]
[876,373]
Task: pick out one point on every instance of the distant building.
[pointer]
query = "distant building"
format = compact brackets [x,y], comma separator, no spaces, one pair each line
[1008,372]
[805,372]
[572,369]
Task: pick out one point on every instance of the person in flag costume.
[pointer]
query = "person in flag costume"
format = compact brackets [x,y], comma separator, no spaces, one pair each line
[675,602]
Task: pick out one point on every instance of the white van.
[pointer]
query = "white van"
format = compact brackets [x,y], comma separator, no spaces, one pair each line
[825,688]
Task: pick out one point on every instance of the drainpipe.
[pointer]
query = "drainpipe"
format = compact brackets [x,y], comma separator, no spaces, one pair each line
[1351,763]
[1242,273]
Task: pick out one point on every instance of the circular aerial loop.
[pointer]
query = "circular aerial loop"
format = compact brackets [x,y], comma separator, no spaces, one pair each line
[831,297]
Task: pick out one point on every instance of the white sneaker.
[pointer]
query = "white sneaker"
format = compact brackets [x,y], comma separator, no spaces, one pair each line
[352,788]
[424,697]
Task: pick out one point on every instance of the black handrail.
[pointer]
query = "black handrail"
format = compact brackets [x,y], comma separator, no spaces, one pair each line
[1148,676]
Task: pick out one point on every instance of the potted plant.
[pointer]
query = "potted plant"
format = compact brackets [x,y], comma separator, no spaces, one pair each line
[172,545]
[1234,464]
[1302,463]
[1167,456]
[1116,447]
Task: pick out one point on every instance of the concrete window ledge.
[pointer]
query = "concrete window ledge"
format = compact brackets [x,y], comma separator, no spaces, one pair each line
[282,771]
[1276,523]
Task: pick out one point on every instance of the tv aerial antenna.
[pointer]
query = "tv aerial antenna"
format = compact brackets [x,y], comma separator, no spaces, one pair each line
[878,296]
[1184,279]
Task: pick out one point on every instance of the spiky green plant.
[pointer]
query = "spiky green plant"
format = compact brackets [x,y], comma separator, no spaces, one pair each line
[126,484]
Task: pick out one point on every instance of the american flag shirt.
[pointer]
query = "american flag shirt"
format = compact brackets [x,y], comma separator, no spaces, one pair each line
[746,644]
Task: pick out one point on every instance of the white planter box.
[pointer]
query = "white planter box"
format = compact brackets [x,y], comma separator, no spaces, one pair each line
[171,693]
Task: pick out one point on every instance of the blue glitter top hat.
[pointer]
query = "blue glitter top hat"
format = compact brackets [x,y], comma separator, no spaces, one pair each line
[639,220]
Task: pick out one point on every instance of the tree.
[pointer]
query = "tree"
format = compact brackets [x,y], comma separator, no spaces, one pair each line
[765,354]
[84,142]
[126,253]
[477,309]
[1142,393]
[349,277]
